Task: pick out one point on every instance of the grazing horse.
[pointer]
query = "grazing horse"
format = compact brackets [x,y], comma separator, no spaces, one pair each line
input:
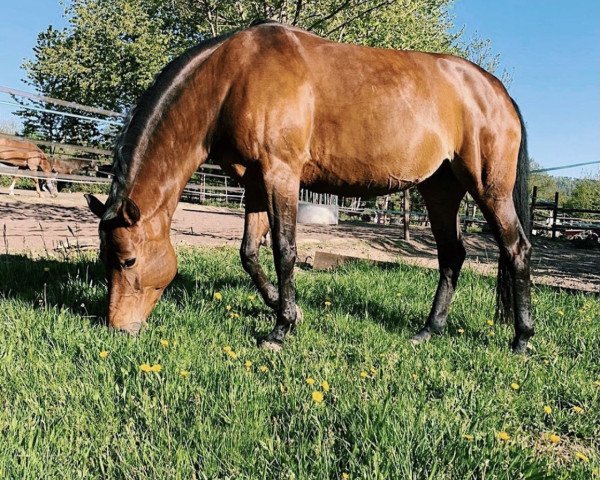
[73,165]
[279,108]
[26,155]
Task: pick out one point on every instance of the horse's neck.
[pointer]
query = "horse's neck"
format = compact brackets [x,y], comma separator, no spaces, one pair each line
[171,160]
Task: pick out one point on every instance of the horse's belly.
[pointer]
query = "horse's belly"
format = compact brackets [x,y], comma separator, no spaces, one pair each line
[353,178]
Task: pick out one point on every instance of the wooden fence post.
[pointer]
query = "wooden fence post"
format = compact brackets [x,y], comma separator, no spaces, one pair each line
[532,210]
[554,214]
[406,211]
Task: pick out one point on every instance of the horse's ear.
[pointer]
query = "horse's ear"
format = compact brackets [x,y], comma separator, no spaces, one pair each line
[131,212]
[96,206]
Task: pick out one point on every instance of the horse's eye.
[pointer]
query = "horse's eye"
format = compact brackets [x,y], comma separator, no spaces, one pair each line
[130,262]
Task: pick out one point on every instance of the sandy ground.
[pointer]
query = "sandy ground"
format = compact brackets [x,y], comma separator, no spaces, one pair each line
[38,225]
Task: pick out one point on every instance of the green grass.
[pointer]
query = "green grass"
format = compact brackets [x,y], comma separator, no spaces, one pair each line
[67,413]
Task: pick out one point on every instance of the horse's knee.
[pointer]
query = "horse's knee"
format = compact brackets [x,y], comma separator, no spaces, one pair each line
[249,257]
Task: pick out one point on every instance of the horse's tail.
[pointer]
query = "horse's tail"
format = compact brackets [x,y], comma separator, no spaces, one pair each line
[505,286]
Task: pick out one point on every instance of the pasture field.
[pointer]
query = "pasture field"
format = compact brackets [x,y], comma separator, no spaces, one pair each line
[79,401]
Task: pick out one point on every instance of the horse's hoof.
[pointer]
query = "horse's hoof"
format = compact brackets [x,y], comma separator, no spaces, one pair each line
[421,337]
[270,345]
[519,346]
[299,314]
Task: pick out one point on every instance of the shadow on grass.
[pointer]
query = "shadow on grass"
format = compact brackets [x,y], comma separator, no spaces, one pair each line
[77,285]
[80,287]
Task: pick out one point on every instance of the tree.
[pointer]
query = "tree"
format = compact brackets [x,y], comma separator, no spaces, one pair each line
[586,194]
[112,49]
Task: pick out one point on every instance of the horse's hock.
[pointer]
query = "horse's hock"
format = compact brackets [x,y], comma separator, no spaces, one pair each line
[314,214]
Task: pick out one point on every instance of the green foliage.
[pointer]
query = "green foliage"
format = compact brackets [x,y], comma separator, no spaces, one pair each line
[586,194]
[112,49]
[65,412]
[546,184]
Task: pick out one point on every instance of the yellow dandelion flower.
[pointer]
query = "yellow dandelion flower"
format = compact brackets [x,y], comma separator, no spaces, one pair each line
[251,297]
[515,386]
[345,476]
[164,343]
[217,296]
[373,371]
[145,367]
[227,349]
[554,438]
[561,313]
[184,373]
[248,365]
[310,381]
[490,323]
[325,385]
[461,330]
[577,409]
[156,368]
[231,354]
[363,374]
[468,438]
[504,436]
[317,396]
[228,307]
[414,376]
[582,457]
[263,368]
[547,409]
[491,334]
[103,354]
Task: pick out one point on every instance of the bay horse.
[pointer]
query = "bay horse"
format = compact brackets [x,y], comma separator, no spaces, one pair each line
[26,156]
[279,108]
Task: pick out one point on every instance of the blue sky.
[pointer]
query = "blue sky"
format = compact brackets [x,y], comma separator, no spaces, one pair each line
[550,47]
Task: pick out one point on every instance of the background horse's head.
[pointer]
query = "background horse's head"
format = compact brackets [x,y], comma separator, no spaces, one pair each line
[139,259]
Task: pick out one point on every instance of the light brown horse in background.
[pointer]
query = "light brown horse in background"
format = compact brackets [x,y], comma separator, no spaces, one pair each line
[280,108]
[26,156]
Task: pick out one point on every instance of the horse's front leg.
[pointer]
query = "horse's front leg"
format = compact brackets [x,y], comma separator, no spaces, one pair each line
[37,186]
[256,226]
[11,189]
[282,187]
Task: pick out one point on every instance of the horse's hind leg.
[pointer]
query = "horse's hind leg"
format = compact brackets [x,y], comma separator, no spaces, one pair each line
[515,254]
[492,188]
[442,194]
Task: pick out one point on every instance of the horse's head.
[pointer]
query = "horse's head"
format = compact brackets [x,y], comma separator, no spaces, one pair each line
[139,259]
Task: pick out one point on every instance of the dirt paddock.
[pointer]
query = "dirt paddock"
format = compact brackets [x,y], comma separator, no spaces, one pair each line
[35,225]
